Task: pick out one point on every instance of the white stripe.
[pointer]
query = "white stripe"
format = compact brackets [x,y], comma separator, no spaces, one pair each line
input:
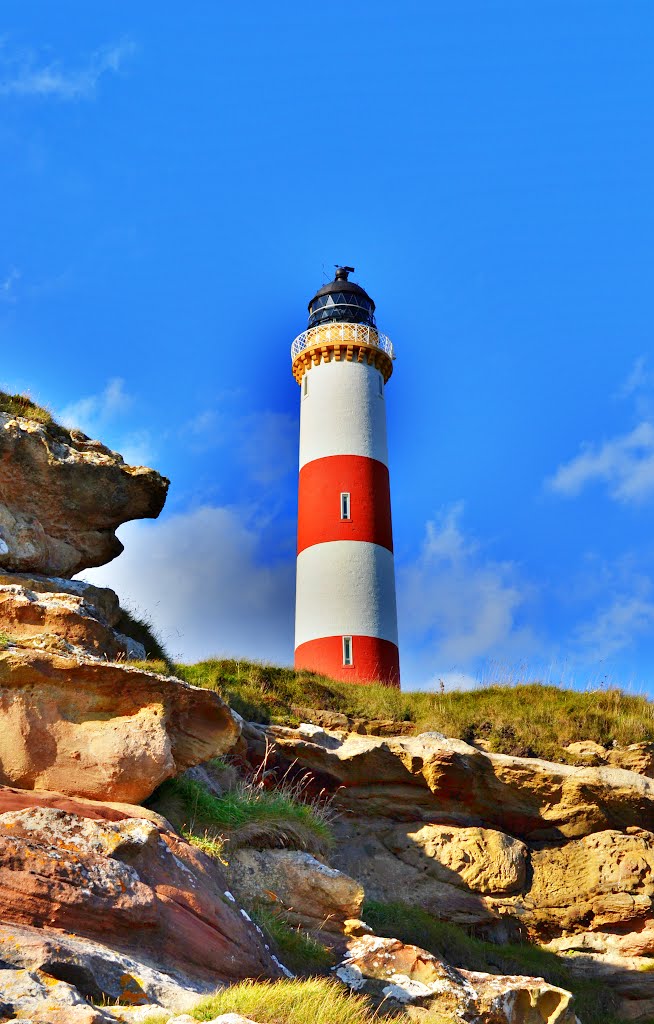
[343,412]
[345,587]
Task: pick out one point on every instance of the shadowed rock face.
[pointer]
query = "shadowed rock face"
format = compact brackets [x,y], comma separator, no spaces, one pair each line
[63,497]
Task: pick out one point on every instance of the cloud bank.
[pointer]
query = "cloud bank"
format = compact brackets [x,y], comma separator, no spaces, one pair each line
[23,75]
[203,579]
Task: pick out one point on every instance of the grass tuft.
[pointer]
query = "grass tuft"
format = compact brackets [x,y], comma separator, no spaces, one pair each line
[142,630]
[22,405]
[531,719]
[290,1002]
[246,815]
[297,951]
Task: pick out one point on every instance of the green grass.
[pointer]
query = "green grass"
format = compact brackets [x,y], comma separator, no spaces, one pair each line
[595,1001]
[314,1000]
[5,641]
[531,720]
[22,405]
[247,815]
[297,951]
[142,630]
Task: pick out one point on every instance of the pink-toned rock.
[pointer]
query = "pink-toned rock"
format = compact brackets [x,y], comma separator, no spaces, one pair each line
[128,887]
[395,974]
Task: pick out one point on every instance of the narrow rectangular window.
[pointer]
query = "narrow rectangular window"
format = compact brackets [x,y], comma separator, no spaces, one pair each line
[381,386]
[345,505]
[347,651]
[305,385]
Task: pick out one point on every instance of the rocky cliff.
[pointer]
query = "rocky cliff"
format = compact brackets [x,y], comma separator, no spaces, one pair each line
[109,910]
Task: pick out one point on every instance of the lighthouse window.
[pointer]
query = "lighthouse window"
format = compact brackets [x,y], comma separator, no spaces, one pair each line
[345,505]
[347,651]
[305,385]
[381,386]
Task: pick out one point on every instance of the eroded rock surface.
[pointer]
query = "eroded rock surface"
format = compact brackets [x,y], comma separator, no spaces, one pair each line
[439,780]
[102,730]
[308,892]
[393,973]
[62,497]
[126,910]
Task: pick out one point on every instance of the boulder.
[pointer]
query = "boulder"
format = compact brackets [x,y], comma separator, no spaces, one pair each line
[101,730]
[125,910]
[481,860]
[587,751]
[32,993]
[71,620]
[304,889]
[403,976]
[446,781]
[378,854]
[62,497]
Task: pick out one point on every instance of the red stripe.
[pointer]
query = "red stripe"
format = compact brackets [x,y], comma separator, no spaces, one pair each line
[322,482]
[375,660]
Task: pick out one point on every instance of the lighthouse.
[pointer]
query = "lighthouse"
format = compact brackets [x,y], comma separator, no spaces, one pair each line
[345,609]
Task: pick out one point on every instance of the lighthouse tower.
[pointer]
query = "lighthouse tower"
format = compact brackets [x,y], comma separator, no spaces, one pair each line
[346,618]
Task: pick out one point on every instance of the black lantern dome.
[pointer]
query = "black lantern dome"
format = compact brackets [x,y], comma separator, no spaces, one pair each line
[341,301]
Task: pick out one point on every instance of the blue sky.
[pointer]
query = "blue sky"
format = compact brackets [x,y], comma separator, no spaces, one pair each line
[177,181]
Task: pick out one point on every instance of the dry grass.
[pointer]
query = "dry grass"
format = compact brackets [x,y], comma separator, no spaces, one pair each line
[22,405]
[532,719]
[317,1000]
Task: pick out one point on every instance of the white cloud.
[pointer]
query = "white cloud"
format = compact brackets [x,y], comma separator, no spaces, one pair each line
[615,627]
[203,579]
[638,379]
[624,463]
[90,414]
[265,441]
[24,75]
[8,286]
[456,606]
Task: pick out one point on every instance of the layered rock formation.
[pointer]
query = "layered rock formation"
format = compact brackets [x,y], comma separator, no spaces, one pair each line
[119,906]
[561,855]
[99,900]
[62,497]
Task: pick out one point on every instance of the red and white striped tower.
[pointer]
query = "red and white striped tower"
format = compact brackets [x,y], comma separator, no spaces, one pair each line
[345,611]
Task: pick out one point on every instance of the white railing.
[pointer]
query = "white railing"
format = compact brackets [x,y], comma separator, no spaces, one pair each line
[342,334]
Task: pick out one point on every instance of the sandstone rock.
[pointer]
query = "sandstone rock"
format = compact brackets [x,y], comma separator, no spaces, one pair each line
[308,892]
[587,751]
[64,621]
[639,757]
[402,975]
[101,599]
[601,881]
[126,910]
[102,730]
[365,850]
[26,993]
[479,859]
[443,780]
[63,496]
